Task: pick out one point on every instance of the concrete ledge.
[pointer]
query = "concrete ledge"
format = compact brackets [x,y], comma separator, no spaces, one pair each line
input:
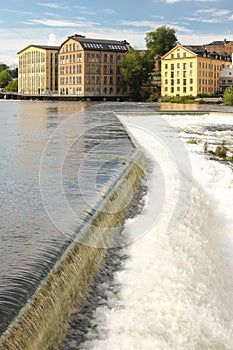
[42,323]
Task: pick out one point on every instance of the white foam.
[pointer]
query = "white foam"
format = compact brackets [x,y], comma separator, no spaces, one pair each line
[176,290]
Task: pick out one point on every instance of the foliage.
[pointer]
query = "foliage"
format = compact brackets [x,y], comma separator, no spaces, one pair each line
[3,66]
[228,96]
[160,41]
[192,141]
[153,98]
[5,78]
[182,99]
[135,71]
[12,86]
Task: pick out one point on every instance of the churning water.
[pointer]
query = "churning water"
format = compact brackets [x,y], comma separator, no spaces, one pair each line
[173,291]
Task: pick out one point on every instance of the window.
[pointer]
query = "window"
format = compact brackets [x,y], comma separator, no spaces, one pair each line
[191,64]
[178,65]
[172,55]
[172,66]
[184,81]
[178,73]
[191,73]
[166,74]
[184,66]
[184,74]
[191,81]
[178,81]
[166,66]
[184,54]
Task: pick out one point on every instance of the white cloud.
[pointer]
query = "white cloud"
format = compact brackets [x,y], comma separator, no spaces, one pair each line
[51,5]
[151,25]
[62,23]
[17,11]
[175,1]
[52,40]
[108,11]
[211,16]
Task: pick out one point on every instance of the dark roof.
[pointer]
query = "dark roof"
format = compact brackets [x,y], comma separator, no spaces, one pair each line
[101,44]
[218,43]
[46,47]
[195,47]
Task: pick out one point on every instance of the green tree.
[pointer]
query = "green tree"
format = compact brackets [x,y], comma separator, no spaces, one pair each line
[228,96]
[135,71]
[3,66]
[12,86]
[5,78]
[161,41]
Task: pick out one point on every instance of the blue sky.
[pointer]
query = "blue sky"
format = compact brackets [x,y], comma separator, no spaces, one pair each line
[51,22]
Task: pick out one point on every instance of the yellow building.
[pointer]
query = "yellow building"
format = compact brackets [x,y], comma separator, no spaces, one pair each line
[188,73]
[37,73]
[90,67]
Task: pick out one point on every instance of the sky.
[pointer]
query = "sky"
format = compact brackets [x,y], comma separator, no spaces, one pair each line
[50,22]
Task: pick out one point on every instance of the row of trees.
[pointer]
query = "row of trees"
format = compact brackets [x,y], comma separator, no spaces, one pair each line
[8,78]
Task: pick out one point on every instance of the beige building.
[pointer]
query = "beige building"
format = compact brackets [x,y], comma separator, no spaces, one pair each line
[90,67]
[37,73]
[188,73]
[220,47]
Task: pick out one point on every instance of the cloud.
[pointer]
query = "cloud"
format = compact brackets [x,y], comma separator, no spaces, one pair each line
[175,1]
[17,11]
[211,16]
[62,23]
[108,11]
[51,5]
[151,25]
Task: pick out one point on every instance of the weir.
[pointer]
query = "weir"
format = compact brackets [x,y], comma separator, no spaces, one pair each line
[42,323]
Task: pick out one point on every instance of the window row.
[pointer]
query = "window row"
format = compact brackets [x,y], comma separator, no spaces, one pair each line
[89,80]
[178,81]
[75,69]
[179,74]
[71,58]
[184,89]
[179,65]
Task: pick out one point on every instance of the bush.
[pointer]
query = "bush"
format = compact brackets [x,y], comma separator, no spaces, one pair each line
[228,96]
[153,98]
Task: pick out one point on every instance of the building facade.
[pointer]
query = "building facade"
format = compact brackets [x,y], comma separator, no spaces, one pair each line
[38,66]
[226,78]
[220,47]
[188,73]
[90,67]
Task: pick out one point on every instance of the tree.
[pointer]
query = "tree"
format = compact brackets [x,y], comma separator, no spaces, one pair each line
[228,96]
[5,78]
[12,86]
[135,71]
[161,41]
[3,66]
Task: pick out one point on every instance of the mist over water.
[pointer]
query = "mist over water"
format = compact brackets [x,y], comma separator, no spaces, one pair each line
[174,291]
